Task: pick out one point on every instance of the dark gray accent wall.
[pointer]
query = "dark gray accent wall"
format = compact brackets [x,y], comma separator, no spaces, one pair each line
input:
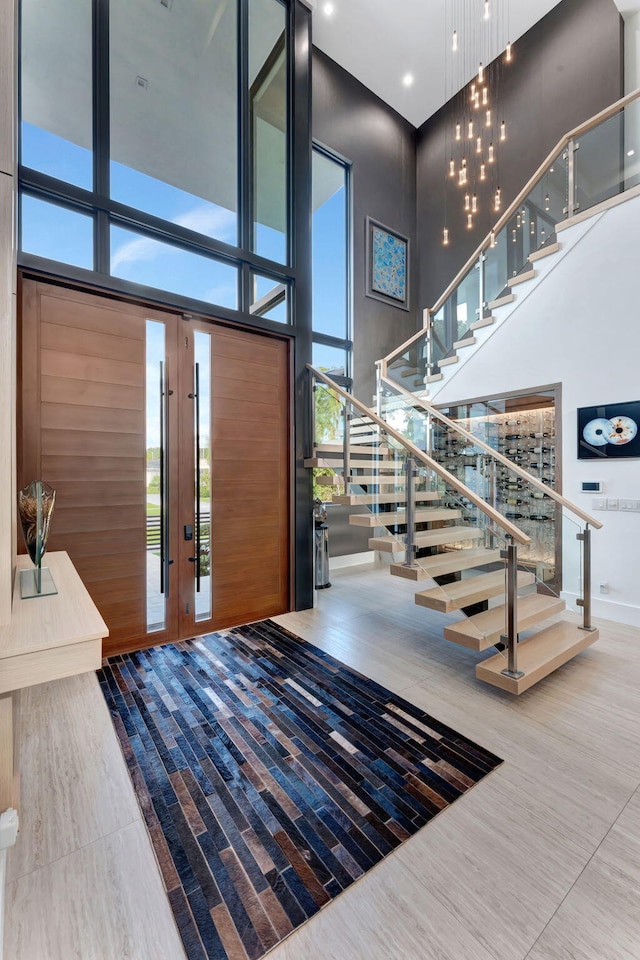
[349,119]
[565,69]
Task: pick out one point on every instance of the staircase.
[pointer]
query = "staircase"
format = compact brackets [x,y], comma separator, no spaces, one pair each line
[437,530]
[443,530]
[586,173]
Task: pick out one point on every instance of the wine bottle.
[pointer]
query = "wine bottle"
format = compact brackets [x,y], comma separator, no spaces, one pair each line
[538,436]
[512,423]
[513,436]
[540,516]
[513,501]
[540,450]
[538,495]
[514,516]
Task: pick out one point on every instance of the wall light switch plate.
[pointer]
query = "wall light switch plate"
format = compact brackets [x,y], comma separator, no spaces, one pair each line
[612,503]
[599,504]
[631,506]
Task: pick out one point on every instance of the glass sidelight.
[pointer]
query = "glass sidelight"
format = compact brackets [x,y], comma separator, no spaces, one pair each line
[156,476]
[202,474]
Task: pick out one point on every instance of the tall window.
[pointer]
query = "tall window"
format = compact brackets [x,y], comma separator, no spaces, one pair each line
[331,263]
[155,143]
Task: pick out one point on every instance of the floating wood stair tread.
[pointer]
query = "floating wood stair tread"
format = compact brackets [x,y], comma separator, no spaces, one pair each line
[333,462]
[428,515]
[426,538]
[452,561]
[332,481]
[538,656]
[444,563]
[463,593]
[358,499]
[544,252]
[501,301]
[466,342]
[522,278]
[410,372]
[358,429]
[354,448]
[360,440]
[379,480]
[448,361]
[485,629]
[434,378]
[483,322]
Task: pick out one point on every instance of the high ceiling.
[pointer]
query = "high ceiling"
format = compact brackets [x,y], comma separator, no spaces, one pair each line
[380,41]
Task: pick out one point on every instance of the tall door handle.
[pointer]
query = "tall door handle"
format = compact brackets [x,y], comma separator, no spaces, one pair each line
[196,397]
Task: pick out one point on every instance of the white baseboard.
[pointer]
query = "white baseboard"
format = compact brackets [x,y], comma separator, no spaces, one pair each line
[607,609]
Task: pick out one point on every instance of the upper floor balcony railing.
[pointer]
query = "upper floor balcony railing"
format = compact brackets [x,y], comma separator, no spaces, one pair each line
[589,168]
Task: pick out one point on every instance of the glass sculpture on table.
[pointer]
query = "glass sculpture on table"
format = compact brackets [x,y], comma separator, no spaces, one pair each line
[35,506]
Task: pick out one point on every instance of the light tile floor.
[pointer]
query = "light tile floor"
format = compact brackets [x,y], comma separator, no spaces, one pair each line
[541,860]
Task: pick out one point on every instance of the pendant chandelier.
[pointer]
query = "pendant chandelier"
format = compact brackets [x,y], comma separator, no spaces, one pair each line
[477,54]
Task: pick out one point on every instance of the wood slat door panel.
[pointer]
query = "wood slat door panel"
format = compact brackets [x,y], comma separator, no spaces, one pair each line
[83,430]
[249,549]
[249,477]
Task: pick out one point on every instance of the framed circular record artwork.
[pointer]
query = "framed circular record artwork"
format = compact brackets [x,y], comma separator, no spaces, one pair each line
[609,432]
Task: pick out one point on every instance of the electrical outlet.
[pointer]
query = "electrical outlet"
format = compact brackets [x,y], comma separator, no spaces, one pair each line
[612,503]
[604,586]
[599,504]
[631,506]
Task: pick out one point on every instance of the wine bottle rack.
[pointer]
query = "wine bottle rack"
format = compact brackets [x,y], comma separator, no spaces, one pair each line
[528,438]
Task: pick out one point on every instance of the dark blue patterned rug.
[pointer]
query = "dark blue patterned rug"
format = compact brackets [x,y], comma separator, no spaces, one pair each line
[271,776]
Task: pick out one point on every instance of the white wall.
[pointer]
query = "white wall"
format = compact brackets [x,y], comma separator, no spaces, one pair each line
[579,326]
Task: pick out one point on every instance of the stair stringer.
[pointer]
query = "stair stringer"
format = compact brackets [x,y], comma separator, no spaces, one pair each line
[569,240]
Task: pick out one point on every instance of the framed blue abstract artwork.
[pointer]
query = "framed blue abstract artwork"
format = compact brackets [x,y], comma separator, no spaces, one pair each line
[387,265]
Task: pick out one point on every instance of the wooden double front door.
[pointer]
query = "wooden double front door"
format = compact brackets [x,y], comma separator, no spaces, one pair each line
[167,442]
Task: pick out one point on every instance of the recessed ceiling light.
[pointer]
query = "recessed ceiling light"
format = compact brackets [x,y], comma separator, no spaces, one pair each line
[328,9]
[407,80]
[630,153]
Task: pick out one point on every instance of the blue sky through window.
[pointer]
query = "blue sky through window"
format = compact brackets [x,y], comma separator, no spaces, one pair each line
[166,267]
[163,200]
[56,156]
[56,233]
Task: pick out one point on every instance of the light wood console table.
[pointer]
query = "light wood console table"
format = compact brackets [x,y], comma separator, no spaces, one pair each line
[48,638]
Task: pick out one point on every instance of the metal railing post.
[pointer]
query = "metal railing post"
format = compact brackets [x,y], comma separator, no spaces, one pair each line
[585,600]
[378,390]
[346,448]
[510,638]
[428,328]
[572,205]
[480,310]
[410,552]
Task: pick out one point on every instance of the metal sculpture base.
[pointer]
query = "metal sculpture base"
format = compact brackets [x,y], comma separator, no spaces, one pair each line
[37,583]
[514,676]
